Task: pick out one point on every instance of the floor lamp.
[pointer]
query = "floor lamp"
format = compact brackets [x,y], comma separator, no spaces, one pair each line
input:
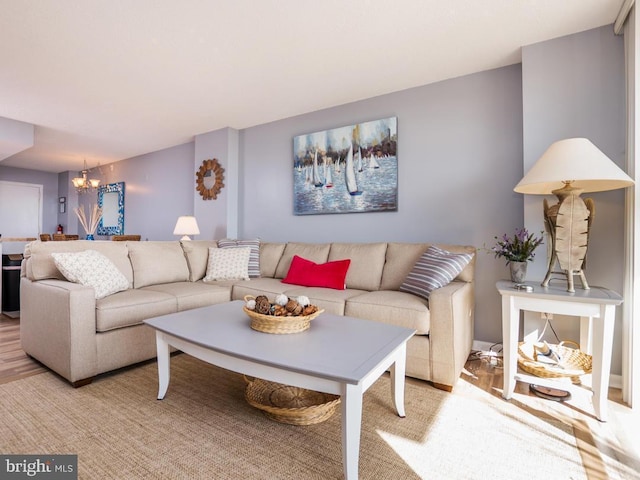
[567,169]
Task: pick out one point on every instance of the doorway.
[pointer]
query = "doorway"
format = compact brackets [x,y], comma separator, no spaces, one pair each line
[20,213]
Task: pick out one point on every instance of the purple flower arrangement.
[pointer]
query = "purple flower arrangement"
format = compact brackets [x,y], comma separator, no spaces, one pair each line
[518,248]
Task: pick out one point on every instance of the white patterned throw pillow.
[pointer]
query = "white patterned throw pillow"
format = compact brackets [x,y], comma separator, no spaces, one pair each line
[228,264]
[92,269]
[254,258]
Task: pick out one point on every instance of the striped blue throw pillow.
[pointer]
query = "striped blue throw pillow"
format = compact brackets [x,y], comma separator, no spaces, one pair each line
[254,257]
[434,269]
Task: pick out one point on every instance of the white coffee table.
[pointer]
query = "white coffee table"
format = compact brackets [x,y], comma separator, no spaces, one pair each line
[338,355]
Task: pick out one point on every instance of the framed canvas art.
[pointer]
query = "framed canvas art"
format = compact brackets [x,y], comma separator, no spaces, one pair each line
[347,169]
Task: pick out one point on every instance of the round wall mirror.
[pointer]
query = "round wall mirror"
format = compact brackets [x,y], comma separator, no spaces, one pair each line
[210,179]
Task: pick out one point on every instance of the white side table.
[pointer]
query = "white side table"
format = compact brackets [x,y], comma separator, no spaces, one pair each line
[596,309]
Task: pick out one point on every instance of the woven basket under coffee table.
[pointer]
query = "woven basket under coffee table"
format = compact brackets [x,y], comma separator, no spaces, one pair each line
[292,405]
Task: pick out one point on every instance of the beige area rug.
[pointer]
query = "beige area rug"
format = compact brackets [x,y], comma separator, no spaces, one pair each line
[204,429]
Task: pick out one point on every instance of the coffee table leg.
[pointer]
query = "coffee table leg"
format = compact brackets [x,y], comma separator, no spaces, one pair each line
[163,365]
[397,371]
[351,405]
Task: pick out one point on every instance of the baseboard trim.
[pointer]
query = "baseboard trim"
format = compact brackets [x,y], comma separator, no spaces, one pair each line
[615,381]
[482,346]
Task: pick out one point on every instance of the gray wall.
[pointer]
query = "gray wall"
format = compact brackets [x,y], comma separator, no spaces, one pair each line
[159,188]
[574,87]
[213,215]
[68,218]
[459,157]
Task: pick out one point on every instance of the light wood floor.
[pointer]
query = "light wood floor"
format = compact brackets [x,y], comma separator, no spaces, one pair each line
[14,363]
[598,442]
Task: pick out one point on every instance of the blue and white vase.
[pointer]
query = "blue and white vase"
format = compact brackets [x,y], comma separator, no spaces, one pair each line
[90,236]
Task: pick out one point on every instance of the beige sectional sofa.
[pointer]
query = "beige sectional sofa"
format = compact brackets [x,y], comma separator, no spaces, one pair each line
[64,327]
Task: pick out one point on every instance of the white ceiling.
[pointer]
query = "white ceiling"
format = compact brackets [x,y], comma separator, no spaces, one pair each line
[109,80]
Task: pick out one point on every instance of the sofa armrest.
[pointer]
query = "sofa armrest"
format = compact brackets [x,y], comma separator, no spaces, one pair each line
[451,333]
[58,326]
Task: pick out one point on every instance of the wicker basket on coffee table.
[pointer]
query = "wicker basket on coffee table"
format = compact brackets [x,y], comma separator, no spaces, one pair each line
[279,325]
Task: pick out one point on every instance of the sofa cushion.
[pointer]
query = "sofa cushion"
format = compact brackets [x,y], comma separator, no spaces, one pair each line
[258,286]
[92,269]
[388,306]
[131,307]
[193,294]
[228,264]
[40,264]
[270,254]
[316,252]
[310,274]
[367,262]
[467,274]
[333,301]
[401,257]
[254,258]
[157,262]
[434,269]
[197,255]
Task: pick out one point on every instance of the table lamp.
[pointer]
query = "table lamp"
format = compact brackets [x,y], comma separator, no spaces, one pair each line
[567,169]
[186,225]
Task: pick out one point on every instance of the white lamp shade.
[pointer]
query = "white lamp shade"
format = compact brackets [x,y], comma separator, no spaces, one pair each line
[186,225]
[574,160]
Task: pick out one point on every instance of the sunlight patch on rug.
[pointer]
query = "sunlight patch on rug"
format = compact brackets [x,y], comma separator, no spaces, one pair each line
[486,437]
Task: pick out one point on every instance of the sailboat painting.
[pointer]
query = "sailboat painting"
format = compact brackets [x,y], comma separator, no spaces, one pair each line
[356,166]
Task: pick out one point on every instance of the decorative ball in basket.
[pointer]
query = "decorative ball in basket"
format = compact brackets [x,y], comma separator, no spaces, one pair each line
[285,315]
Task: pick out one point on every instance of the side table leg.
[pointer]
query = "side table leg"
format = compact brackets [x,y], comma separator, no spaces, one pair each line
[163,364]
[510,329]
[586,334]
[397,371]
[351,406]
[602,346]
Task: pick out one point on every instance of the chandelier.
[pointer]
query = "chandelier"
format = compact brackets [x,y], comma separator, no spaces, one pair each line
[83,184]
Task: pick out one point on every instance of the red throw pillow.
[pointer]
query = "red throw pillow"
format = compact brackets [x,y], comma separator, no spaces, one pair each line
[310,274]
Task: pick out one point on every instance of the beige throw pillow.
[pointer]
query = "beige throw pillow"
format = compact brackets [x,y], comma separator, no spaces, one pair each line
[92,269]
[228,264]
